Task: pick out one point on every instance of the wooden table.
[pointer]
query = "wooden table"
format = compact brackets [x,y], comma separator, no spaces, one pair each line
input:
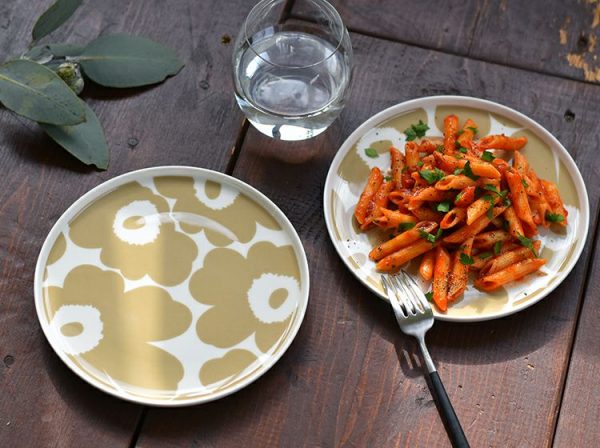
[350,378]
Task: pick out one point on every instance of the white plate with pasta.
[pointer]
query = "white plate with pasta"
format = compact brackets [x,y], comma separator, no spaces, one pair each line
[481,204]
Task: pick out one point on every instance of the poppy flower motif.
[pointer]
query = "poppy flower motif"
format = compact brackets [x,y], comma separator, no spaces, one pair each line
[132,227]
[215,202]
[98,324]
[254,295]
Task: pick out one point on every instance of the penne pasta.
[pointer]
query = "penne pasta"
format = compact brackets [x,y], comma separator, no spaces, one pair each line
[502,142]
[426,265]
[441,272]
[468,231]
[397,164]
[380,200]
[520,202]
[411,155]
[514,225]
[363,208]
[460,270]
[458,202]
[465,197]
[487,240]
[509,258]
[556,204]
[395,261]
[450,130]
[465,139]
[481,206]
[391,219]
[402,240]
[431,194]
[455,182]
[511,273]
[453,218]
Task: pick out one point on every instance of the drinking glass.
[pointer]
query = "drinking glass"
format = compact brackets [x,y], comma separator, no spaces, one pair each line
[292,76]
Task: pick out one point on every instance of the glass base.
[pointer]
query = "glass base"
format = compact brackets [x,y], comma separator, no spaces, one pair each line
[287,132]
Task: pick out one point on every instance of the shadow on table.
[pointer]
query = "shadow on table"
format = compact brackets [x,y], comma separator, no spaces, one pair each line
[488,342]
[89,403]
[32,145]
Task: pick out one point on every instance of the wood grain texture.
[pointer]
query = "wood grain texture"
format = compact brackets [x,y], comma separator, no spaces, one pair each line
[552,37]
[350,378]
[191,119]
[580,412]
[446,25]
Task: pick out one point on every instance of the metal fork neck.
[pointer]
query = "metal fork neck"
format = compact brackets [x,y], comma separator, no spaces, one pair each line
[428,361]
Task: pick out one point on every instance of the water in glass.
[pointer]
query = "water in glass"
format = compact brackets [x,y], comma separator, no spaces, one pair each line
[290,83]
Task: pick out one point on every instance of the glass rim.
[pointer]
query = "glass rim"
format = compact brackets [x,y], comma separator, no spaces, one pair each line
[263,4]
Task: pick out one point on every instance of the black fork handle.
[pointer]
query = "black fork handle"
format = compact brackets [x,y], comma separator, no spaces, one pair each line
[455,431]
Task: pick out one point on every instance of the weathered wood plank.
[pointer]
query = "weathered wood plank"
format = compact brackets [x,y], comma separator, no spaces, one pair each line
[580,413]
[553,37]
[348,379]
[445,25]
[191,119]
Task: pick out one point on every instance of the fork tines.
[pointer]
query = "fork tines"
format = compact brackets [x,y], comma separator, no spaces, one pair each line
[404,294]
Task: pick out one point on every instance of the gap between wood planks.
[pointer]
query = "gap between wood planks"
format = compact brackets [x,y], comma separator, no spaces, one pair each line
[563,381]
[241,136]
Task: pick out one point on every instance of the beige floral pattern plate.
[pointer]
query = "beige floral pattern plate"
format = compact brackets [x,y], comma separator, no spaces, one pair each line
[350,168]
[171,286]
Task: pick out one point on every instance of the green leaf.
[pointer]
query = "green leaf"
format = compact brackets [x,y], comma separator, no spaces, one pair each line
[432,176]
[487,156]
[429,296]
[410,134]
[484,255]
[524,182]
[443,206]
[416,130]
[468,172]
[463,150]
[64,50]
[526,242]
[36,92]
[404,226]
[497,247]
[85,141]
[371,152]
[121,60]
[466,259]
[388,178]
[554,217]
[459,133]
[420,128]
[430,237]
[472,129]
[55,16]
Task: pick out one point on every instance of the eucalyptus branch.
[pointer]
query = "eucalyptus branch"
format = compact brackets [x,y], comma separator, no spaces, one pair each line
[42,84]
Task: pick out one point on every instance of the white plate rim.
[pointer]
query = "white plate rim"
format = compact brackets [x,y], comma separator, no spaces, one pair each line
[489,106]
[187,171]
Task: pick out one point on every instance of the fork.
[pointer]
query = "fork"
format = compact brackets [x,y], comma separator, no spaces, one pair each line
[415,317]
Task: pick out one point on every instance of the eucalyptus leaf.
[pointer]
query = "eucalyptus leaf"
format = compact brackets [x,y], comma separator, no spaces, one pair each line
[121,60]
[54,17]
[85,141]
[42,54]
[36,92]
